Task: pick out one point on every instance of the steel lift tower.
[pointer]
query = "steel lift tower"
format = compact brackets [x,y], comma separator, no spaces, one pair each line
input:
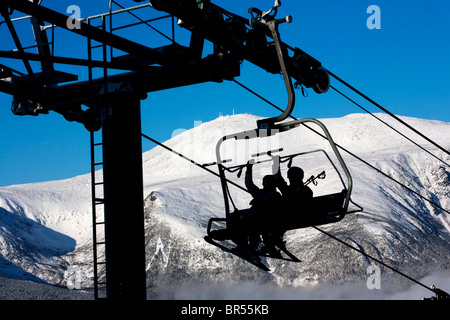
[112,102]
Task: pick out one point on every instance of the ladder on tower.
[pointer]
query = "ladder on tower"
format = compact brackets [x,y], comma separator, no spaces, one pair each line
[97,178]
[97,188]
[98,218]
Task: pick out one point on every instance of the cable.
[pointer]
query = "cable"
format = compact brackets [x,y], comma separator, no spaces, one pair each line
[190,160]
[337,239]
[146,23]
[375,259]
[388,112]
[330,235]
[385,123]
[347,151]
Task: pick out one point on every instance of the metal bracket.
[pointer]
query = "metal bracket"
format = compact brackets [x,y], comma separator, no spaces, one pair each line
[266,20]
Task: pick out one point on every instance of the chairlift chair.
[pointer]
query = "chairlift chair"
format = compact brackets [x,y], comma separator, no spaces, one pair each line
[324,209]
[329,208]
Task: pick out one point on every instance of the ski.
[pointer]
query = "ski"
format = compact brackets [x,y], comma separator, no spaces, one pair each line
[242,253]
[277,253]
[288,253]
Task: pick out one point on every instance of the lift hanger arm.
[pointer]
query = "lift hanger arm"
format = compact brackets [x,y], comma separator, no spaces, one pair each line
[268,123]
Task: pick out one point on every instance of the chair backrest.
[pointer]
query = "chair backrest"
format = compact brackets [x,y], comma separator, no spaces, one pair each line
[322,210]
[330,204]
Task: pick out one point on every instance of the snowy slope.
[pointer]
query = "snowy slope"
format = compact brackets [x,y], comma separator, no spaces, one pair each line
[45,228]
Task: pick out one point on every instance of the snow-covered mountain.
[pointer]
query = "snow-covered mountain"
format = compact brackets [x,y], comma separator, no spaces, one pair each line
[45,228]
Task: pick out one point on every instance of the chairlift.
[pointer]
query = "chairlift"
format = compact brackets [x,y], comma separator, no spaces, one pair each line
[325,209]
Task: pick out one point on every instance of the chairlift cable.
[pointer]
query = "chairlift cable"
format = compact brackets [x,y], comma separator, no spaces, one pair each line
[383,173]
[365,162]
[190,160]
[388,125]
[145,22]
[388,112]
[373,258]
[347,151]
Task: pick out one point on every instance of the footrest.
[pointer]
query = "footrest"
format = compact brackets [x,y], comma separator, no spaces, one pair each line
[219,235]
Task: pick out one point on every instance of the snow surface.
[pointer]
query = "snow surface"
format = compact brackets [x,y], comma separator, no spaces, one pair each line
[46,235]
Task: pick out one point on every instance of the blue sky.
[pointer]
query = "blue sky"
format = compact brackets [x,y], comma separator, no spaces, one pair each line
[404,66]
